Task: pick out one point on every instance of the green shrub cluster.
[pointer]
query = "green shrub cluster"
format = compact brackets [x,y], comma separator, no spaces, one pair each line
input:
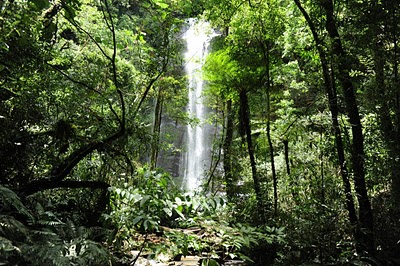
[33,236]
[187,224]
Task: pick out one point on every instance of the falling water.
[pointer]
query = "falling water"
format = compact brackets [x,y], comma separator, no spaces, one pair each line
[196,159]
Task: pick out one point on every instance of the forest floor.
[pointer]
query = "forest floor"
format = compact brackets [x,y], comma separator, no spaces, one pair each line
[184,261]
[145,258]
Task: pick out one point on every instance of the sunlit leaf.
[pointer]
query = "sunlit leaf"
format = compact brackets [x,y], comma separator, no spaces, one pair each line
[137,219]
[168,211]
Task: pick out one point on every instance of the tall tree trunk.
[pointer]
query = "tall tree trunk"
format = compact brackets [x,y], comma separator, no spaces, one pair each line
[272,159]
[245,124]
[328,77]
[334,109]
[270,145]
[156,130]
[287,162]
[387,124]
[227,146]
[322,174]
[396,140]
[357,153]
[396,84]
[228,141]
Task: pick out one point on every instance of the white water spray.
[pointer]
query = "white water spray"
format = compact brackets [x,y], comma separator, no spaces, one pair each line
[198,149]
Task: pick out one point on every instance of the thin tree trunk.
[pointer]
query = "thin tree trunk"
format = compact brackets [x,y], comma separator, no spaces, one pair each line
[245,124]
[388,128]
[156,130]
[227,146]
[228,141]
[271,147]
[396,66]
[274,176]
[322,174]
[293,184]
[330,88]
[287,162]
[357,153]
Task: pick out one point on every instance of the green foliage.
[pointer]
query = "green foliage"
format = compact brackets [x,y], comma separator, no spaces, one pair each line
[209,262]
[11,204]
[73,73]
[155,205]
[377,165]
[153,201]
[147,205]
[40,4]
[219,240]
[41,238]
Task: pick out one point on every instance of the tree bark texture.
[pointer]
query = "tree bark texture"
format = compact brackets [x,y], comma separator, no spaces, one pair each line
[270,145]
[357,153]
[245,124]
[287,162]
[227,147]
[328,77]
[156,129]
[387,124]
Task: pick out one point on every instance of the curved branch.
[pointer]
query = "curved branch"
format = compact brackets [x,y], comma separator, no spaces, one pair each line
[56,68]
[105,17]
[329,83]
[111,26]
[112,59]
[65,168]
[147,90]
[78,27]
[62,170]
[83,85]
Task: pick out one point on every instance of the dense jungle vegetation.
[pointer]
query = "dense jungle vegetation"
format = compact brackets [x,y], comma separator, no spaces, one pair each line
[306,102]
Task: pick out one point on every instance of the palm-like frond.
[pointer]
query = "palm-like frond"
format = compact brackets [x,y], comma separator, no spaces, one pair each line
[45,239]
[11,203]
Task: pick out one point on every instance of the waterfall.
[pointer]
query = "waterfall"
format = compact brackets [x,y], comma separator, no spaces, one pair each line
[197,156]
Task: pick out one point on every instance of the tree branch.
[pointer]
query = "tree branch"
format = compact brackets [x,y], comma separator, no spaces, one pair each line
[113,61]
[56,68]
[78,27]
[62,170]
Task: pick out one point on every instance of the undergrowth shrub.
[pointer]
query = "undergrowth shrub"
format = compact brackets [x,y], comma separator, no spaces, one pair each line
[179,223]
[39,237]
[316,234]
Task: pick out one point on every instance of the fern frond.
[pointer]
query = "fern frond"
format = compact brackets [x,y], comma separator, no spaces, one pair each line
[46,253]
[44,233]
[49,223]
[10,201]
[97,233]
[12,229]
[6,246]
[93,251]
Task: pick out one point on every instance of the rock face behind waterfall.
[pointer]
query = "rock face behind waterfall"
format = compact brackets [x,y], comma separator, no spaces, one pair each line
[170,159]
